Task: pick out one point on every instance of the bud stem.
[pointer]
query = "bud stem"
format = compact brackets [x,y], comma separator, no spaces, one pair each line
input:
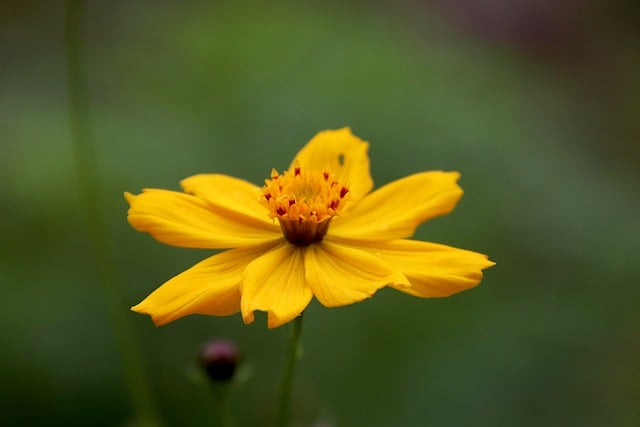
[221,396]
[284,409]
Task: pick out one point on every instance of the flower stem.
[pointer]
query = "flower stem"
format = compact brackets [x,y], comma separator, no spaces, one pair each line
[284,409]
[85,163]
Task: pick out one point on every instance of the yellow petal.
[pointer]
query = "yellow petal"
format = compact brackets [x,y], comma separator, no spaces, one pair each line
[343,154]
[433,270]
[275,283]
[183,220]
[233,197]
[210,287]
[395,210]
[339,275]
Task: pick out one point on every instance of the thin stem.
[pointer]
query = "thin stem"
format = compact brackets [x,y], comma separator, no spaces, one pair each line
[85,163]
[221,396]
[284,409]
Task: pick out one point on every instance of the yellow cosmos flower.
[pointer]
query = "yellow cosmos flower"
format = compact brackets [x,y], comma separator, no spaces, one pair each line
[313,230]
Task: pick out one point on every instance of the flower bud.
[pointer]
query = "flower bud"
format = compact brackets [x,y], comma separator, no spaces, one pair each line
[219,359]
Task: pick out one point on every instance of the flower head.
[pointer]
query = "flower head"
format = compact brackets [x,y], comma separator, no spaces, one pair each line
[314,230]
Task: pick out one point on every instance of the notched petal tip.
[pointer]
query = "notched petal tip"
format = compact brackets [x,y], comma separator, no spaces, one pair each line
[487,263]
[248,318]
[157,320]
[129,197]
[273,321]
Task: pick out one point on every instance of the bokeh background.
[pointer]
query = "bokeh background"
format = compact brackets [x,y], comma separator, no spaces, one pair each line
[535,102]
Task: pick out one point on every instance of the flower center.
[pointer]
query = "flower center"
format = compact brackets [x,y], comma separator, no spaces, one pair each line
[304,203]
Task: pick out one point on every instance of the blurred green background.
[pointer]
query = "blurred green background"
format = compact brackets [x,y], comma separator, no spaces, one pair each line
[536,104]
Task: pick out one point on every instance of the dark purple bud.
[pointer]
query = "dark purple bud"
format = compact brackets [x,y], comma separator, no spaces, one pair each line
[219,359]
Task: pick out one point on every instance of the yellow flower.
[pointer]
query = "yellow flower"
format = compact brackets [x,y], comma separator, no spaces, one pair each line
[313,230]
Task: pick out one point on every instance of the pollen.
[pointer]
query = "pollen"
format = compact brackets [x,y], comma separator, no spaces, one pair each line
[304,202]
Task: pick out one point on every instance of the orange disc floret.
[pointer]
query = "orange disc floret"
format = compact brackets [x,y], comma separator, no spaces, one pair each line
[304,202]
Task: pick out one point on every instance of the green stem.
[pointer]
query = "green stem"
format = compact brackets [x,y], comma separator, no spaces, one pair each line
[284,409]
[221,396]
[85,163]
